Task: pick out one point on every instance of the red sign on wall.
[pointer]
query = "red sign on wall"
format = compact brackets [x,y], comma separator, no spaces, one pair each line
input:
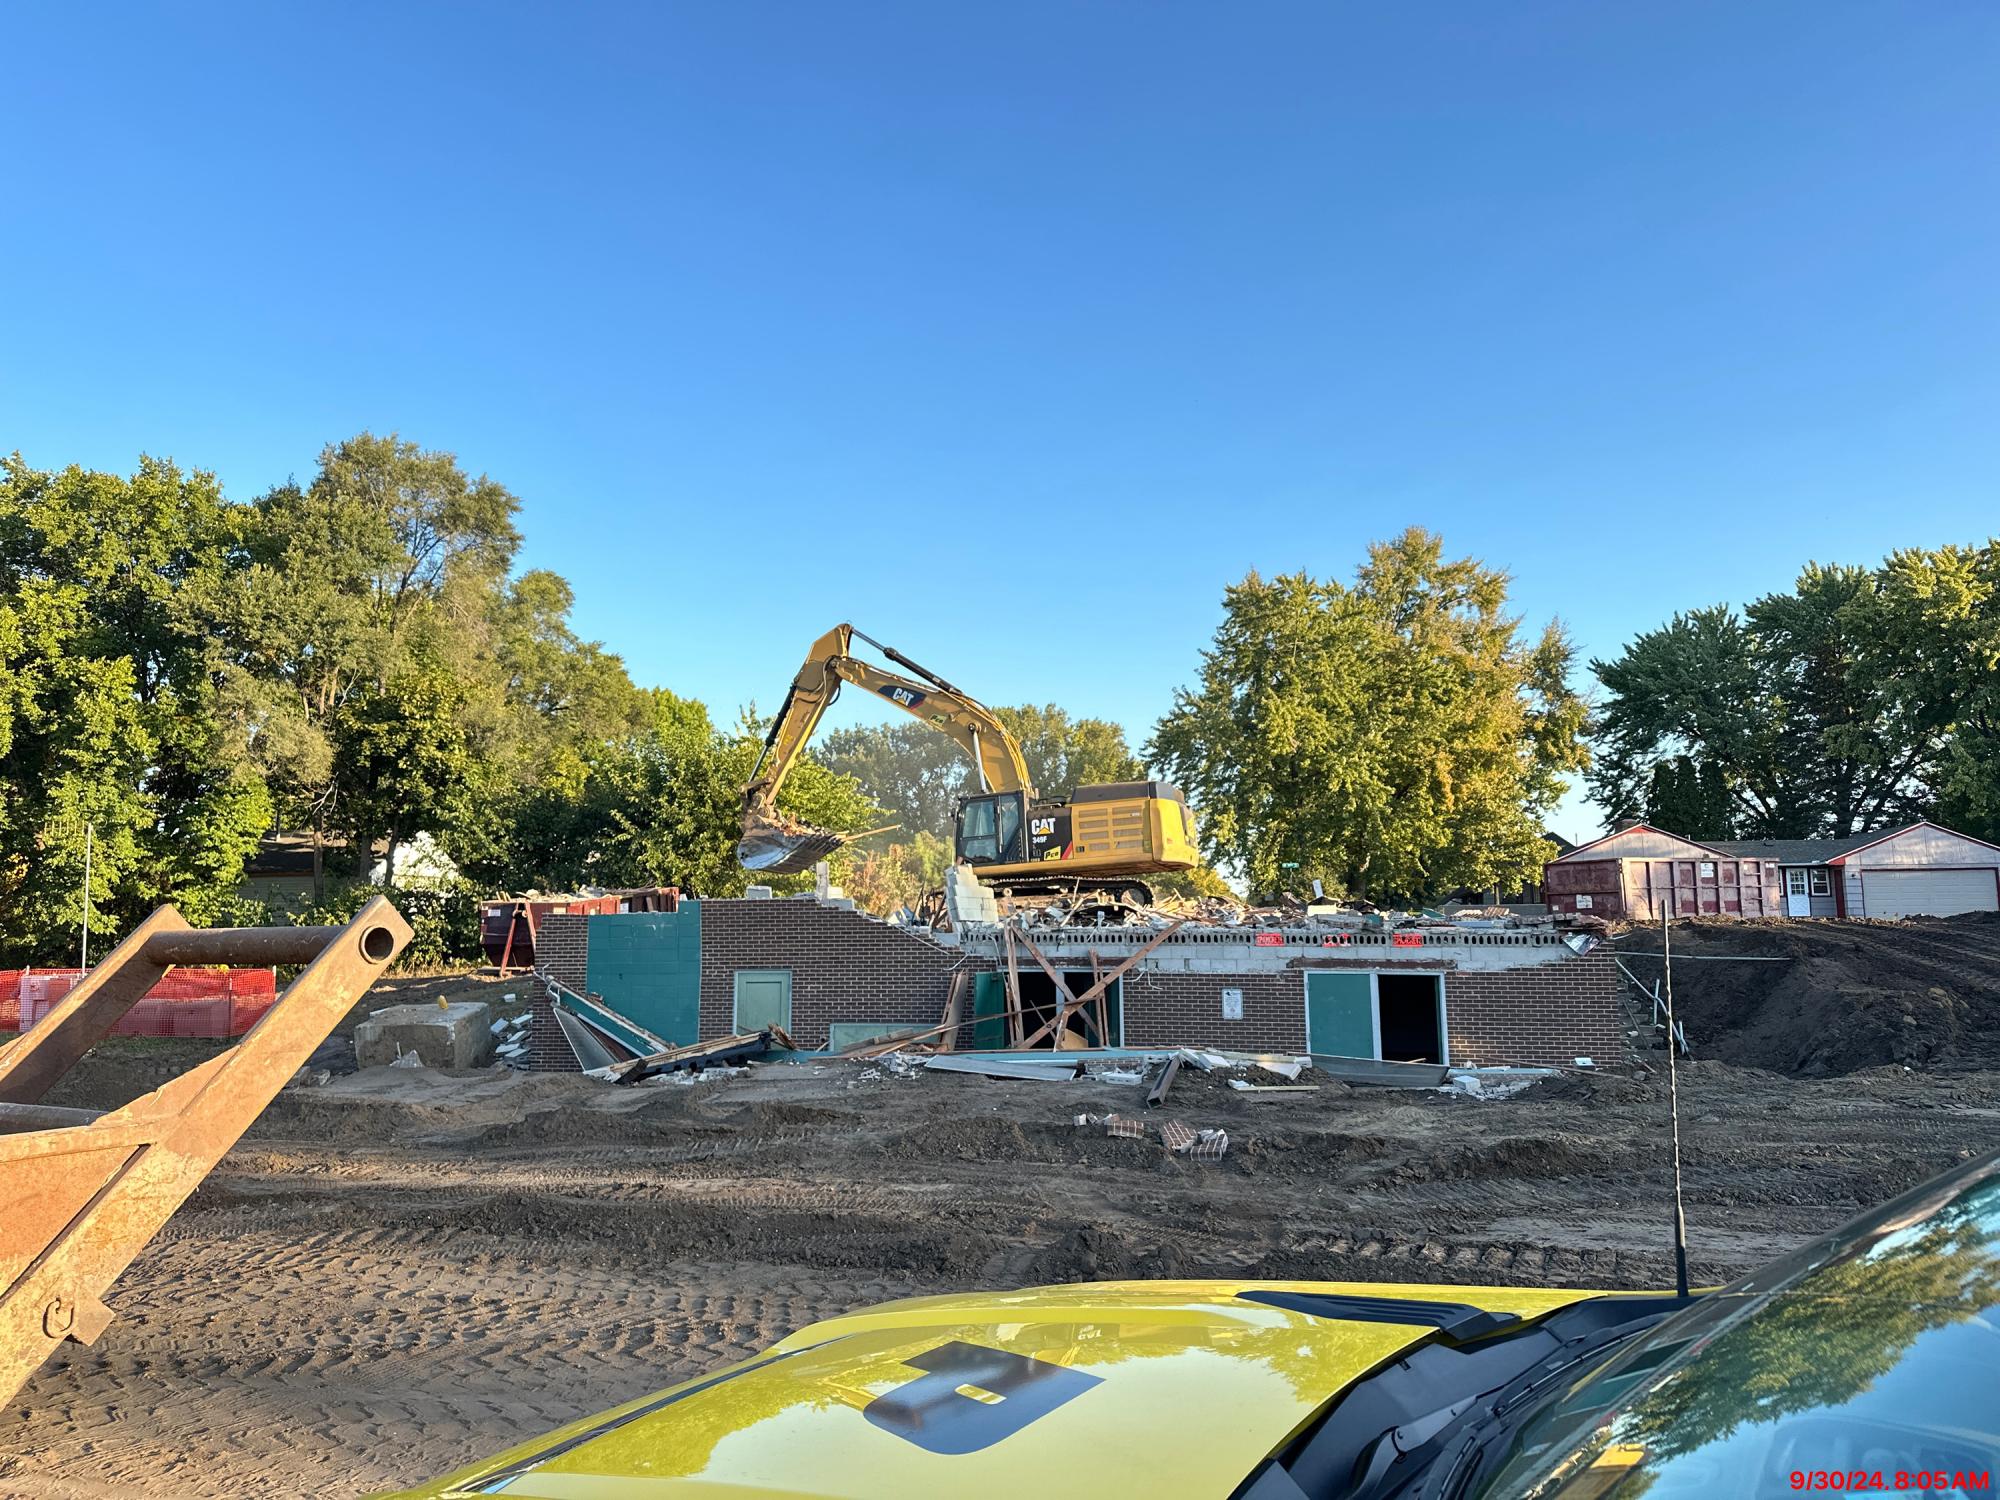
[1406,940]
[1270,940]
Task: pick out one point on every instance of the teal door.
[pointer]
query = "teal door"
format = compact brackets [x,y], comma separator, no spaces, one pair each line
[989,1012]
[763,998]
[1340,1014]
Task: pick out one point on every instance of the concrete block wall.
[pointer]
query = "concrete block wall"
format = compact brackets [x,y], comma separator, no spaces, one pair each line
[845,965]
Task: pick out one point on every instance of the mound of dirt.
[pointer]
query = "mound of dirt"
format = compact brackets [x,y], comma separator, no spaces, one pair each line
[1836,997]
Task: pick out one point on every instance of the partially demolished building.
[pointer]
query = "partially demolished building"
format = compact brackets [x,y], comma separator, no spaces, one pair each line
[833,978]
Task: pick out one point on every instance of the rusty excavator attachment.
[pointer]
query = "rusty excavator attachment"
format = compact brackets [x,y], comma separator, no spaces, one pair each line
[773,847]
[83,1191]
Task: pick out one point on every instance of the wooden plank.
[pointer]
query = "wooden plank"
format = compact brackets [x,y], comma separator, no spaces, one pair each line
[1013,991]
[1065,1001]
[954,999]
[1103,1014]
[652,1062]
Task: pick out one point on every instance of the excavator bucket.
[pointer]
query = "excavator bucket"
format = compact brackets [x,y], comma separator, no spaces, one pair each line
[772,848]
[84,1191]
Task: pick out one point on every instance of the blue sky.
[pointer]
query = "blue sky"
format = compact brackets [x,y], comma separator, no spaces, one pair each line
[1014,332]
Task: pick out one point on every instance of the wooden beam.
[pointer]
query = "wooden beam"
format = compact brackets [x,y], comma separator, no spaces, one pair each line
[1013,991]
[1103,1014]
[1063,1004]
[961,980]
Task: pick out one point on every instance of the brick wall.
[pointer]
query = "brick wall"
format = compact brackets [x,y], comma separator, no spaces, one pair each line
[562,944]
[846,966]
[548,1048]
[1171,1009]
[1552,1013]
[562,948]
[1548,1013]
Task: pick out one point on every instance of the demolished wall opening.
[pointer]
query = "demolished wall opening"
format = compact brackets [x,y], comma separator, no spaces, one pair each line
[1411,1010]
[1038,1007]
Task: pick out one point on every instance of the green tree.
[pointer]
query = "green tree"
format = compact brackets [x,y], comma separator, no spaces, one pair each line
[663,806]
[1940,662]
[111,717]
[1064,753]
[915,774]
[1690,798]
[402,765]
[1396,738]
[1795,704]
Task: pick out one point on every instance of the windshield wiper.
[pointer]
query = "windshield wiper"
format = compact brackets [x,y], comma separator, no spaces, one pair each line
[1461,1439]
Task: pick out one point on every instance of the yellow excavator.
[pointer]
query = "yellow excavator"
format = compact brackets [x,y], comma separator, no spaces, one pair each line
[1101,837]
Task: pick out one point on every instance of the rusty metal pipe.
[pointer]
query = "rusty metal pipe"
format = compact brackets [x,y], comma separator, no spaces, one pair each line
[18,1117]
[245,945]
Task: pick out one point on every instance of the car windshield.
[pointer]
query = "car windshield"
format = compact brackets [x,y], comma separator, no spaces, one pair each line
[1873,1353]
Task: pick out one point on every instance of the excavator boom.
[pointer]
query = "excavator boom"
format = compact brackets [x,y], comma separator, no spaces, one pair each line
[775,844]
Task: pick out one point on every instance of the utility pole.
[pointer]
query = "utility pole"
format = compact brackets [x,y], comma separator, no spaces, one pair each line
[88,830]
[1674,1108]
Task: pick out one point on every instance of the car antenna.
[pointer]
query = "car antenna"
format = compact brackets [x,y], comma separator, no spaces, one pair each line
[1674,1108]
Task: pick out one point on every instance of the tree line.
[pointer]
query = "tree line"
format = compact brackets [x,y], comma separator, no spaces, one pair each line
[354,658]
[1858,699]
[357,658]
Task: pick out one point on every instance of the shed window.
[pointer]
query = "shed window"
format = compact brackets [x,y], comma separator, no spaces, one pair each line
[1822,881]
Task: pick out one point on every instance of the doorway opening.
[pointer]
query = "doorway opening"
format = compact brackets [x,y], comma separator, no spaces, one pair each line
[1038,1007]
[1411,1012]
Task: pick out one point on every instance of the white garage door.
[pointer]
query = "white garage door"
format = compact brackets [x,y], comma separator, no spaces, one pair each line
[1929,893]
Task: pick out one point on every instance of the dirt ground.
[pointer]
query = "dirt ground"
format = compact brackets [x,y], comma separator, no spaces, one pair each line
[1820,998]
[399,1271]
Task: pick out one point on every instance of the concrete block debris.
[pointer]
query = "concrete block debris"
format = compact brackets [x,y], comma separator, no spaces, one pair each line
[448,1036]
[1491,1083]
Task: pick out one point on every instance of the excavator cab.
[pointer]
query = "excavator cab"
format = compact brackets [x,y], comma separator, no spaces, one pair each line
[989,828]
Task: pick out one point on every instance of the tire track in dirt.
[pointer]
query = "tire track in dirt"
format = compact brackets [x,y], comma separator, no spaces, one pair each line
[370,1292]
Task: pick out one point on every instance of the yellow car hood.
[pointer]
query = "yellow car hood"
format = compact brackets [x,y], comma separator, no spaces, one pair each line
[1157,1388]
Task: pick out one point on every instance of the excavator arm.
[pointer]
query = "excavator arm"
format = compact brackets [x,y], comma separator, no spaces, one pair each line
[777,845]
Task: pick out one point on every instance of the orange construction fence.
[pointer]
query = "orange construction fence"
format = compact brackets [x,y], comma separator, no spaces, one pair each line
[215,1003]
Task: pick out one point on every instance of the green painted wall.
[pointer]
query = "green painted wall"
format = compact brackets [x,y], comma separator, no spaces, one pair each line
[647,965]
